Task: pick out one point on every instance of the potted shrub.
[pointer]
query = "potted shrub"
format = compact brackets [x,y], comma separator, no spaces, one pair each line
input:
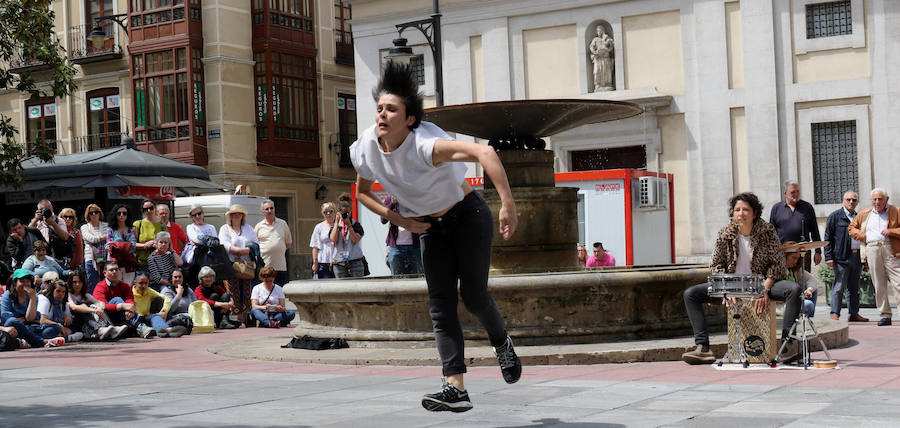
[866,289]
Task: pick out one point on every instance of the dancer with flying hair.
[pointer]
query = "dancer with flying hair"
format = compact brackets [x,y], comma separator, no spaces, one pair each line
[422,167]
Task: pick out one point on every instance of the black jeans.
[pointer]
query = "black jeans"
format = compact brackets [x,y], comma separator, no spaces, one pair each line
[846,279]
[785,291]
[457,250]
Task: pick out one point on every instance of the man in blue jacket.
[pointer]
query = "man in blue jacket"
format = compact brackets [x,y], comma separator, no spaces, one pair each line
[842,253]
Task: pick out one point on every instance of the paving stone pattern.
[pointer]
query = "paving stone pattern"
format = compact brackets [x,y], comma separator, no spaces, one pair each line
[178,383]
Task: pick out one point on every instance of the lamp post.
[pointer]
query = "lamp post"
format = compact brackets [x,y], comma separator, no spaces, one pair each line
[431,29]
[98,36]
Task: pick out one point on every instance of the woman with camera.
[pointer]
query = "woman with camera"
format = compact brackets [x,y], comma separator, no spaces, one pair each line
[346,234]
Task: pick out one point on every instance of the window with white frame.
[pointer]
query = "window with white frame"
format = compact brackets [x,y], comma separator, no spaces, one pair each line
[829,19]
[834,160]
[824,25]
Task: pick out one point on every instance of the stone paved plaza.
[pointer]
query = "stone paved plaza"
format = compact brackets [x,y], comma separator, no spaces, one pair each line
[178,383]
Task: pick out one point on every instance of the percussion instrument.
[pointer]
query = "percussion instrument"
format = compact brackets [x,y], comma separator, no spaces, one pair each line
[751,335]
[735,285]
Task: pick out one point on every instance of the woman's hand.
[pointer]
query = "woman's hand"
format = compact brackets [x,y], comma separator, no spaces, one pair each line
[67,321]
[508,219]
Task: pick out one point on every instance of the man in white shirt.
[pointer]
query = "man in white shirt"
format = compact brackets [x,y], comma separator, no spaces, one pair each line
[880,233]
[274,241]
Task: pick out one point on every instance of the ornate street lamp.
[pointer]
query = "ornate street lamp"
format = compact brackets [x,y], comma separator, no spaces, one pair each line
[431,29]
[98,36]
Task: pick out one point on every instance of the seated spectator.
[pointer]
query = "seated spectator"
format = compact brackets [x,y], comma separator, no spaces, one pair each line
[40,263]
[44,281]
[20,242]
[793,259]
[18,309]
[215,295]
[117,298]
[601,257]
[180,295]
[53,305]
[162,261]
[152,310]
[267,299]
[177,234]
[87,312]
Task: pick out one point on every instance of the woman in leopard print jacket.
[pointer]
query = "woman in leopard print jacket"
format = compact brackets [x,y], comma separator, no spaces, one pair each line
[746,245]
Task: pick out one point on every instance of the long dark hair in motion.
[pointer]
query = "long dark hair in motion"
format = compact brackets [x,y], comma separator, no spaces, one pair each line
[400,80]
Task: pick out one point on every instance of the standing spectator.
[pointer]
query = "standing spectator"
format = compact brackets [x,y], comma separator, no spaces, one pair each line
[404,256]
[215,295]
[601,257]
[46,221]
[879,229]
[180,295]
[88,313]
[320,242]
[195,233]
[274,240]
[94,233]
[145,231]
[178,235]
[842,254]
[162,261]
[241,243]
[795,220]
[77,249]
[53,306]
[117,298]
[20,242]
[18,309]
[121,231]
[346,234]
[582,255]
[40,263]
[268,301]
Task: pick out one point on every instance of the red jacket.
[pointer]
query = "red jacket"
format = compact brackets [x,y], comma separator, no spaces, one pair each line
[179,237]
[199,293]
[104,293]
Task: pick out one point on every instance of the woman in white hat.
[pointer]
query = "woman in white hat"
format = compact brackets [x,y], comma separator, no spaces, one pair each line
[237,236]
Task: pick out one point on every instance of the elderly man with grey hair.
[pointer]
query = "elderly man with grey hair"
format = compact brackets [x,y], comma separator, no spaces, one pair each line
[274,241]
[795,220]
[842,254]
[878,229]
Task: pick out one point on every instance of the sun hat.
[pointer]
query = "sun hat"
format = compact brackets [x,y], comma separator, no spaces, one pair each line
[236,209]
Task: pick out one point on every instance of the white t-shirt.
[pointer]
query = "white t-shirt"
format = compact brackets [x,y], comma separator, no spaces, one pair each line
[260,294]
[43,308]
[229,238]
[321,239]
[408,173]
[744,253]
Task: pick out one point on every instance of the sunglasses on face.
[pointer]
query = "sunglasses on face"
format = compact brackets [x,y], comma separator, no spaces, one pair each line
[148,208]
[122,213]
[93,212]
[269,209]
[328,212]
[69,217]
[851,199]
[197,214]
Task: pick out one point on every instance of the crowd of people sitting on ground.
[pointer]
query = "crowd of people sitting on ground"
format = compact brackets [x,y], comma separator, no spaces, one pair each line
[143,278]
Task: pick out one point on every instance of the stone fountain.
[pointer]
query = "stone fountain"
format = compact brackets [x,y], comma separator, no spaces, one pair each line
[535,279]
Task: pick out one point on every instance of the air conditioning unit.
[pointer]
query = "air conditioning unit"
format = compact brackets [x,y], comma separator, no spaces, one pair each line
[653,193]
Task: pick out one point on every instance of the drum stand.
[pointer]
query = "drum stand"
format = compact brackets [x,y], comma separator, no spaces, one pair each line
[736,347]
[803,338]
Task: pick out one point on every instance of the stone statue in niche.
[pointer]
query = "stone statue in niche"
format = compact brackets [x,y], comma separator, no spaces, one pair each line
[601,48]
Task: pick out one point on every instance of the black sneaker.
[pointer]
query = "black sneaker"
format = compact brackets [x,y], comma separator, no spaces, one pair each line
[449,398]
[510,365]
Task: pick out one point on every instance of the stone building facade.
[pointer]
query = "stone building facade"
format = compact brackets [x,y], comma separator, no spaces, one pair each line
[738,95]
[259,92]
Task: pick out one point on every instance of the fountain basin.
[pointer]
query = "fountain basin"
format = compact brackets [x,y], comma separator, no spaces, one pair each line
[607,304]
